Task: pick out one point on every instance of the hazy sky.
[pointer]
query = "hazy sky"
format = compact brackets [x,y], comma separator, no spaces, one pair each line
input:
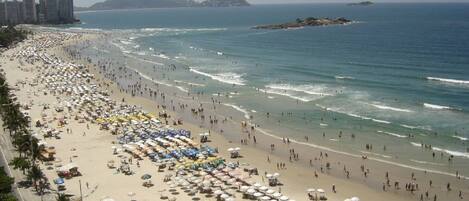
[90,2]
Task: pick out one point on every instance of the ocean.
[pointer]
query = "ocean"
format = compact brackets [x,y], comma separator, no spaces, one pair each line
[398,76]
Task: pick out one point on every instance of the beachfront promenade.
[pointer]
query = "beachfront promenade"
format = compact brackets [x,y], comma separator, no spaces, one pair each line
[7,153]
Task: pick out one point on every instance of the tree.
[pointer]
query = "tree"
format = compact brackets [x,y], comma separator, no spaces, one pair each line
[35,175]
[21,163]
[5,182]
[7,197]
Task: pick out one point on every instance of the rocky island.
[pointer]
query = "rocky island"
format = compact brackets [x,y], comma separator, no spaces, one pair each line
[310,21]
[363,3]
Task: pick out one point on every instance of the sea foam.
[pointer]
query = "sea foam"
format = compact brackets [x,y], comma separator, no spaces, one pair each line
[229,78]
[447,80]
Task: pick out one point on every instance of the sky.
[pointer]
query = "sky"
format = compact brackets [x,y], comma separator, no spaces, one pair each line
[90,2]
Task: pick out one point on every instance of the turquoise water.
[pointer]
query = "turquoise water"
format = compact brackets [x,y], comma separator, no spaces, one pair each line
[398,76]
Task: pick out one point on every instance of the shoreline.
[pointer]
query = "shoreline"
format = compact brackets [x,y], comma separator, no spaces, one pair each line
[298,177]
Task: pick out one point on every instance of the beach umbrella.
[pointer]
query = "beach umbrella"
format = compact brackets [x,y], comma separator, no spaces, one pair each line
[354,199]
[131,194]
[107,199]
[268,176]
[265,198]
[276,174]
[146,176]
[237,149]
[251,191]
[218,192]
[277,195]
[320,190]
[59,181]
[224,196]
[284,198]
[310,190]
[244,188]
[229,199]
[270,192]
[263,188]
[230,149]
[257,194]
[257,185]
[347,199]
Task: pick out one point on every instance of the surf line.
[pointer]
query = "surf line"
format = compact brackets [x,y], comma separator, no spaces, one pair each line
[359,156]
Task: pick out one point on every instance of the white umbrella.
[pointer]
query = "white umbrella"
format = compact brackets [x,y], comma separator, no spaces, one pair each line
[276,174]
[257,194]
[107,199]
[355,199]
[224,196]
[320,190]
[284,198]
[268,175]
[311,190]
[263,188]
[218,192]
[244,188]
[131,194]
[237,149]
[257,185]
[270,192]
[251,191]
[347,199]
[230,149]
[265,198]
[229,199]
[277,195]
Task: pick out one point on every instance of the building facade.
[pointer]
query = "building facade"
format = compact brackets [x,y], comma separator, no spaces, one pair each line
[14,12]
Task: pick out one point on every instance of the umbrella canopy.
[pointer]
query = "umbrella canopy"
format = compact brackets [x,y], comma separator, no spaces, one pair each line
[257,194]
[320,190]
[107,199]
[224,196]
[218,192]
[230,149]
[131,194]
[257,185]
[265,198]
[277,195]
[146,176]
[263,188]
[251,191]
[310,190]
[276,174]
[355,199]
[244,188]
[284,198]
[270,192]
[59,181]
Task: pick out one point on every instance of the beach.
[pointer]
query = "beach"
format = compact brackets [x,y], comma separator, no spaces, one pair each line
[90,147]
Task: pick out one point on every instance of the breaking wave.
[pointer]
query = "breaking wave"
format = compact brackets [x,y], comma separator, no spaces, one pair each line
[229,78]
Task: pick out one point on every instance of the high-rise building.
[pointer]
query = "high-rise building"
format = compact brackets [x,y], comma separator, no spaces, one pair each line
[66,11]
[14,12]
[3,13]
[30,11]
[52,11]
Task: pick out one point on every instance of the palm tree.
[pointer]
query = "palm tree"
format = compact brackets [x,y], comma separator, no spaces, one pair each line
[34,175]
[21,163]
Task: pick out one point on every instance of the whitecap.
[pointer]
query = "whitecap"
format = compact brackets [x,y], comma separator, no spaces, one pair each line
[393,134]
[454,153]
[385,107]
[229,78]
[437,107]
[460,138]
[448,80]
[239,108]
